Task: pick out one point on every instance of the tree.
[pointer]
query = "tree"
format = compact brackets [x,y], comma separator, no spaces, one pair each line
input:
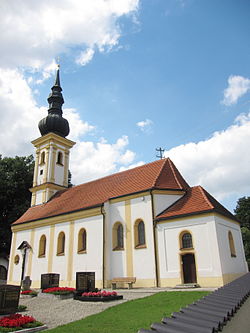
[242,212]
[16,175]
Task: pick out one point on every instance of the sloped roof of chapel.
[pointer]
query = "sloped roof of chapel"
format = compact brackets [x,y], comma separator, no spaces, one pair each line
[195,201]
[160,174]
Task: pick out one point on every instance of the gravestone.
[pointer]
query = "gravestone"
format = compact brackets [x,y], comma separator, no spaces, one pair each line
[26,283]
[9,298]
[85,281]
[49,280]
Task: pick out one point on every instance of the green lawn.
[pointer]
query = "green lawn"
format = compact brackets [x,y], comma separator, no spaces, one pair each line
[129,317]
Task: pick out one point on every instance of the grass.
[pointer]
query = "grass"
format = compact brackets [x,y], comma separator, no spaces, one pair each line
[129,317]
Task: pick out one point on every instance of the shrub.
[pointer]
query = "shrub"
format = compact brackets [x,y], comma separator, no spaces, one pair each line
[22,308]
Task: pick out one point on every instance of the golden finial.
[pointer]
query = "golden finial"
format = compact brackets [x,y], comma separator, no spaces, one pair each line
[58,62]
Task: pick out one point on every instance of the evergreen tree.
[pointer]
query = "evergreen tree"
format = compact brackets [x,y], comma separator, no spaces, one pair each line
[16,175]
[242,212]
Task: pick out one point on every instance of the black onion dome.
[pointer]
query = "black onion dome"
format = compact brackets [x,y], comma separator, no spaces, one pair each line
[54,122]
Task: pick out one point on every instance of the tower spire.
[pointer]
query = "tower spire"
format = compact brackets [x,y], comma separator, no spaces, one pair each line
[54,122]
[57,81]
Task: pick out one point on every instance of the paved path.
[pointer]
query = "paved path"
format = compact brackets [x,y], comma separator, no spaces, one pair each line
[240,323]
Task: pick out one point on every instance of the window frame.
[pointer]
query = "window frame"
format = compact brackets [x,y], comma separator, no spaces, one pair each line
[138,236]
[42,247]
[59,159]
[82,241]
[61,244]
[231,244]
[117,236]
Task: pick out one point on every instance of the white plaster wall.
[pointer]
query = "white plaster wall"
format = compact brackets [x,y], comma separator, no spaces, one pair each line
[230,264]
[144,262]
[116,260]
[17,269]
[60,263]
[40,265]
[204,242]
[39,197]
[40,176]
[163,201]
[59,173]
[91,261]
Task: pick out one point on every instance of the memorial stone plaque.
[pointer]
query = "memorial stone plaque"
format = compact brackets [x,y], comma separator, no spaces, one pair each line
[9,298]
[26,283]
[85,281]
[49,280]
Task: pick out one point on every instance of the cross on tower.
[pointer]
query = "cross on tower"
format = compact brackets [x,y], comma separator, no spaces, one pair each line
[161,152]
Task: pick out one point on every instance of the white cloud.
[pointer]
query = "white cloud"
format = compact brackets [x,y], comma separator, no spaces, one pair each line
[221,163]
[19,119]
[145,125]
[20,115]
[42,30]
[237,87]
[85,57]
[34,32]
[91,161]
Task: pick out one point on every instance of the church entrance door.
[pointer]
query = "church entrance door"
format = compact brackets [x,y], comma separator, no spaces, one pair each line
[189,269]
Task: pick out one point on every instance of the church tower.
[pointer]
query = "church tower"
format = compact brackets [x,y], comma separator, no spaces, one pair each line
[52,150]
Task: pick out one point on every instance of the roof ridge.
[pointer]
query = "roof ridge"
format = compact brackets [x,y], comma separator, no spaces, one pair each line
[163,164]
[205,196]
[113,174]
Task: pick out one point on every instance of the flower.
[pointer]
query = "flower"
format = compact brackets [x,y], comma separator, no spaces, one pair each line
[59,290]
[103,293]
[26,292]
[16,320]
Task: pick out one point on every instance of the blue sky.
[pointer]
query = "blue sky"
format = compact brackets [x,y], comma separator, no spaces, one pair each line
[136,75]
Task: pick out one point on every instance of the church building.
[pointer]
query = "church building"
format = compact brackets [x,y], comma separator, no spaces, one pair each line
[146,222]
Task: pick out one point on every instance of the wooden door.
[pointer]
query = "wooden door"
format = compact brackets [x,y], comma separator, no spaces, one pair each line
[189,269]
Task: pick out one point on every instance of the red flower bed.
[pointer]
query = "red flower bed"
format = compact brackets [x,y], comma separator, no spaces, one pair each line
[103,293]
[16,320]
[59,290]
[26,292]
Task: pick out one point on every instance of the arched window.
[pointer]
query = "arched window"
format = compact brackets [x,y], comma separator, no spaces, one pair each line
[118,242]
[82,241]
[42,161]
[231,244]
[3,273]
[42,247]
[60,158]
[139,232]
[186,241]
[120,236]
[61,244]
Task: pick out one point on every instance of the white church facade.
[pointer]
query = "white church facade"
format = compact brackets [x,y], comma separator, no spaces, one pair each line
[145,222]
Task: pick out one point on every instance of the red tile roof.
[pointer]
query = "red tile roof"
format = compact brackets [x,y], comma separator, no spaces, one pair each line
[195,201]
[161,174]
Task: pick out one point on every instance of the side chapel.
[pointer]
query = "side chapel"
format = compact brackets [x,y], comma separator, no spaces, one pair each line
[146,222]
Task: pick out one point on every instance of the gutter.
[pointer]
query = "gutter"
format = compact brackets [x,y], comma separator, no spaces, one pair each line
[155,243]
[103,246]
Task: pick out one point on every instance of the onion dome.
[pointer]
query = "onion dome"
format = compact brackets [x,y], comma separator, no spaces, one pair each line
[54,122]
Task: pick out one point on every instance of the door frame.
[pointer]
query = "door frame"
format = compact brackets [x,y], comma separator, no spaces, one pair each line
[181,264]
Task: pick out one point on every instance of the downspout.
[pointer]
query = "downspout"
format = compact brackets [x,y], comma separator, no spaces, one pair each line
[154,236]
[103,246]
